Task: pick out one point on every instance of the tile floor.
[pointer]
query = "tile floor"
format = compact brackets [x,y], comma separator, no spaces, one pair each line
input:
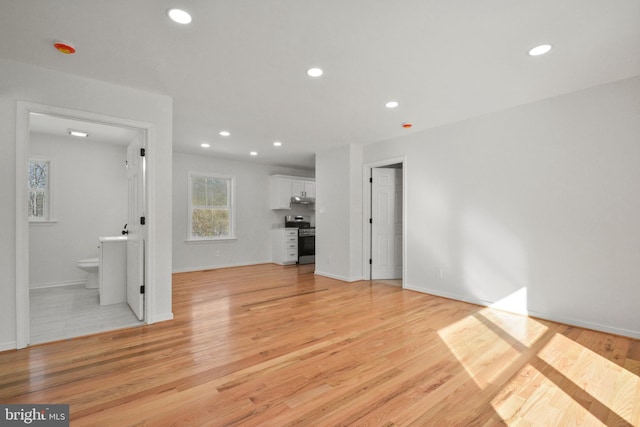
[72,311]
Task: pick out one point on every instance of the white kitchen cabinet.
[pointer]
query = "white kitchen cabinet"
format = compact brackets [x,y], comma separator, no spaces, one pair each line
[303,188]
[283,187]
[285,245]
[310,188]
[280,192]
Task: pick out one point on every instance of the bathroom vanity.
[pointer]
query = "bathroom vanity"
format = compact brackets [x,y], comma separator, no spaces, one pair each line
[113,270]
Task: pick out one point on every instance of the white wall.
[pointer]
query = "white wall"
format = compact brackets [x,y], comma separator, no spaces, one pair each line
[90,195]
[355,213]
[339,213]
[254,218]
[20,82]
[536,208]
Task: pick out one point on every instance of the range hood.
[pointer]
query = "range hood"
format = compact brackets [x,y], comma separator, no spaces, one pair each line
[301,200]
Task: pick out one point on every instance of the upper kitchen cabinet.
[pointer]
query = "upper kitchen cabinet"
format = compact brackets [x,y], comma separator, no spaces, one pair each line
[284,187]
[280,188]
[303,188]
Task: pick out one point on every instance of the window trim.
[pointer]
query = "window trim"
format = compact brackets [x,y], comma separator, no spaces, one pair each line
[232,207]
[50,218]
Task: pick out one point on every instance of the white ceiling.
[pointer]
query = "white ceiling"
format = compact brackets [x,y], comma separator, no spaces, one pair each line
[240,66]
[60,126]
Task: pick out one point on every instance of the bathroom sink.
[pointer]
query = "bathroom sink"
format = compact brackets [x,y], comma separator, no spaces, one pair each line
[112,238]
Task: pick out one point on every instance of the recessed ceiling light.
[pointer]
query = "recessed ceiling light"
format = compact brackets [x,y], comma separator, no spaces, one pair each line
[78,133]
[315,72]
[205,145]
[179,16]
[224,133]
[254,153]
[540,50]
[391,104]
[277,144]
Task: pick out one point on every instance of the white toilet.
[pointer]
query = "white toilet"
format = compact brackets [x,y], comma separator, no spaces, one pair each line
[91,266]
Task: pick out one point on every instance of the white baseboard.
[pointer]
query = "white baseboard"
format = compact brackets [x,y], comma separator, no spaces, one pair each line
[540,315]
[161,318]
[217,266]
[587,325]
[11,345]
[58,284]
[337,277]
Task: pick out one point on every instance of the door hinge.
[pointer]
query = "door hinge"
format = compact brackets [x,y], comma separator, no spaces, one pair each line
[143,152]
[143,220]
[370,261]
[370,220]
[371,180]
[142,289]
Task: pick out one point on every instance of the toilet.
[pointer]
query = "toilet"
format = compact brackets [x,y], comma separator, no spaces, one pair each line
[91,266]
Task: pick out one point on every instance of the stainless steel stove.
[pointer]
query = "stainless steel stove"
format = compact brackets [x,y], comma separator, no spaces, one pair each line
[306,238]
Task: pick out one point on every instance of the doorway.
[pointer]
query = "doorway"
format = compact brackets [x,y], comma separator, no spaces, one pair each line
[384,236]
[112,135]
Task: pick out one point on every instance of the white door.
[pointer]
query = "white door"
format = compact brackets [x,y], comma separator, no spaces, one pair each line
[135,241]
[386,225]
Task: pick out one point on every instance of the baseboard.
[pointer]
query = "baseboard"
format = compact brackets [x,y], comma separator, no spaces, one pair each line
[587,325]
[536,314]
[5,346]
[337,277]
[82,283]
[214,267]
[161,318]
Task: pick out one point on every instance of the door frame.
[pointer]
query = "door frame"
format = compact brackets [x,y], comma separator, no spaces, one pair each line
[134,155]
[23,111]
[366,214]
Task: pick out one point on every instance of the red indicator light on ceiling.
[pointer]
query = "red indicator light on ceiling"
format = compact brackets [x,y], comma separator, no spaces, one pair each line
[407,125]
[65,48]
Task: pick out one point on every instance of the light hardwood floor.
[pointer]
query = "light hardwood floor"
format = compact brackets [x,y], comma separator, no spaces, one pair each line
[277,346]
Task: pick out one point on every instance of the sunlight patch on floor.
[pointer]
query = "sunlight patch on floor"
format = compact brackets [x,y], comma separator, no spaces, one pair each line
[515,327]
[578,386]
[597,376]
[520,401]
[486,355]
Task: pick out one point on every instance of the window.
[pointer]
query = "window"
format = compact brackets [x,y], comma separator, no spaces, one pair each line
[39,190]
[211,207]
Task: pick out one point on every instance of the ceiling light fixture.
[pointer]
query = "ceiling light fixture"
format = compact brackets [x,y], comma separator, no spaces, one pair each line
[315,72]
[254,153]
[391,104]
[277,144]
[205,145]
[224,133]
[179,16]
[540,50]
[78,133]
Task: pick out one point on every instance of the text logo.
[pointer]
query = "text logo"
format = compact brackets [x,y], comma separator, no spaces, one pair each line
[34,415]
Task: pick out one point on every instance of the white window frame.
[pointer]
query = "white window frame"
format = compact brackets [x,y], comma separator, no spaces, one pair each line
[49,192]
[231,207]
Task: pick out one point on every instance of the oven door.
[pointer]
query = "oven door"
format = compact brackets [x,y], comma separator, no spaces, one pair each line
[306,249]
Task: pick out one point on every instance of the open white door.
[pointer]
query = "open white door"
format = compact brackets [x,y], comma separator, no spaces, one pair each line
[135,222]
[386,226]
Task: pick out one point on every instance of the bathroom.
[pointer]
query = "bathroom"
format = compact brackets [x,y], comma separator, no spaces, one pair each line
[88,191]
